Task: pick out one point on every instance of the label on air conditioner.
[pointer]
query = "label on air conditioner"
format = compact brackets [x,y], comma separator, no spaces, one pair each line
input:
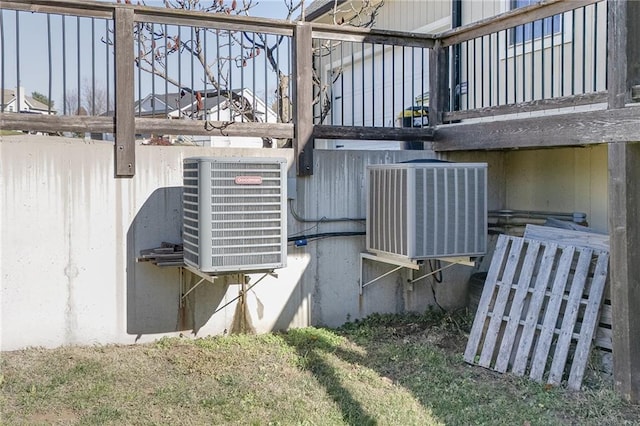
[248,180]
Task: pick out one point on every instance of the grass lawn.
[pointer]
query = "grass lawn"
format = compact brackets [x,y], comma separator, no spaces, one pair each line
[387,370]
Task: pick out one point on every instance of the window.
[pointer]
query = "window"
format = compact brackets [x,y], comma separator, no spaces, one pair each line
[541,28]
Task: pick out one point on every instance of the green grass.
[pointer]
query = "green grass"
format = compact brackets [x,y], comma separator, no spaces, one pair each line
[387,370]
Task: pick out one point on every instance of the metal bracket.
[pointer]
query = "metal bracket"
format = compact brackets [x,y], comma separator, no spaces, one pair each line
[414,265]
[400,263]
[203,277]
[211,279]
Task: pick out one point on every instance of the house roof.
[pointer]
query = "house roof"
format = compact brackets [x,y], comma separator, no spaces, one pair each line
[317,8]
[185,100]
[9,95]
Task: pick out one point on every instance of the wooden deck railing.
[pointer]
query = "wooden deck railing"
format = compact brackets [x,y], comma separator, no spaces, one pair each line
[284,80]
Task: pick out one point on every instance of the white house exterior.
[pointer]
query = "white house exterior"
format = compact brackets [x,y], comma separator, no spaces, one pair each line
[10,103]
[226,106]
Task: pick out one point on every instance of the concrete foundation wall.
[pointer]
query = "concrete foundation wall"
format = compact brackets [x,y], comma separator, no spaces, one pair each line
[71,234]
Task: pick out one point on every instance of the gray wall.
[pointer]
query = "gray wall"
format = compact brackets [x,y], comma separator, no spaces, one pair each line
[71,234]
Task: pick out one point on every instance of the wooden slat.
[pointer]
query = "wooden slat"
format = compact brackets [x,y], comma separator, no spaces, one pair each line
[584,128]
[515,314]
[533,312]
[303,96]
[511,19]
[125,148]
[56,123]
[589,322]
[567,237]
[190,18]
[89,9]
[487,295]
[529,106]
[372,133]
[539,360]
[569,318]
[161,126]
[369,35]
[504,289]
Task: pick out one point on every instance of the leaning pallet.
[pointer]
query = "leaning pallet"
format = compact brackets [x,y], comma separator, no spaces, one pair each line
[539,309]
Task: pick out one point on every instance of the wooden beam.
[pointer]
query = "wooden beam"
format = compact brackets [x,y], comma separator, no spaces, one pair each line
[438,83]
[54,123]
[162,126]
[303,98]
[529,106]
[192,18]
[624,201]
[125,146]
[90,9]
[372,133]
[617,53]
[510,19]
[580,128]
[368,35]
[624,230]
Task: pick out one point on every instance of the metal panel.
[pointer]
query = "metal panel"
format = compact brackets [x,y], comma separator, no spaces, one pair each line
[427,210]
[234,213]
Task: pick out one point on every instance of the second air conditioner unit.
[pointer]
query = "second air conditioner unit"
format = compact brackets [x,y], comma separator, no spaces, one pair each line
[234,214]
[422,210]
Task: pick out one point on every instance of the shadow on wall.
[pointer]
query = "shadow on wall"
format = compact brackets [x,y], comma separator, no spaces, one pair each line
[153,293]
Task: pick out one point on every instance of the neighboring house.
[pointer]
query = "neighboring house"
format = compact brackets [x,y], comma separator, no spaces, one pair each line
[211,105]
[26,104]
[352,93]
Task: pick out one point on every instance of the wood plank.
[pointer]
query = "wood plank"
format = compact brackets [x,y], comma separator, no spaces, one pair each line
[515,314]
[589,322]
[372,133]
[539,360]
[529,106]
[371,35]
[303,99]
[617,53]
[125,148]
[477,328]
[162,126]
[234,23]
[510,19]
[584,128]
[56,123]
[567,237]
[90,9]
[504,289]
[570,317]
[533,310]
[624,228]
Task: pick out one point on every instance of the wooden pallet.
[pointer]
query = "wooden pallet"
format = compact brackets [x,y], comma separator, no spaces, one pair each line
[539,310]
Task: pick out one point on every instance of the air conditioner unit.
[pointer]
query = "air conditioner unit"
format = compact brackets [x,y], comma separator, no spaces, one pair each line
[422,210]
[234,214]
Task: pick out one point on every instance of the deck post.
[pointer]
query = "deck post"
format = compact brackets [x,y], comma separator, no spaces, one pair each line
[303,98]
[125,138]
[438,83]
[624,202]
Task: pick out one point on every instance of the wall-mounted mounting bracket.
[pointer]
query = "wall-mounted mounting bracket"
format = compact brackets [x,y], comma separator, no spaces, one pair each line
[414,265]
[203,277]
[399,263]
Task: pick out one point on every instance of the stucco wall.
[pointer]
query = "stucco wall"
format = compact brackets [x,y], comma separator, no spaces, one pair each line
[71,234]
